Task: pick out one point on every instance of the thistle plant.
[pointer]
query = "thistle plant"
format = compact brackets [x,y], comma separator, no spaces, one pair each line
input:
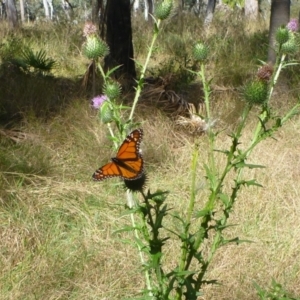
[93,48]
[275,292]
[109,112]
[200,233]
[185,281]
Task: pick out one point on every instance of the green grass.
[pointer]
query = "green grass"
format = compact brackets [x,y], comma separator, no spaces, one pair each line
[57,226]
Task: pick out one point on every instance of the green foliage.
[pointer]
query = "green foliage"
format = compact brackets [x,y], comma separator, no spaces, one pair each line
[212,220]
[14,51]
[200,232]
[10,48]
[275,292]
[233,3]
[38,61]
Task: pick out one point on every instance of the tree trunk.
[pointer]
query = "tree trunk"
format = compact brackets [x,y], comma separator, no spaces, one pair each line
[68,8]
[51,8]
[95,10]
[11,11]
[146,10]
[136,5]
[22,11]
[119,39]
[280,15]
[149,8]
[46,8]
[210,11]
[251,9]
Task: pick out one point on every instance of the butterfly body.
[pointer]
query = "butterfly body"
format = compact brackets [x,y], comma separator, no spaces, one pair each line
[128,164]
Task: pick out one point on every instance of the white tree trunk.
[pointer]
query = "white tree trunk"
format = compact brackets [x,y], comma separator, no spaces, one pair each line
[66,8]
[136,5]
[51,8]
[11,11]
[251,9]
[211,4]
[46,8]
[22,11]
[146,12]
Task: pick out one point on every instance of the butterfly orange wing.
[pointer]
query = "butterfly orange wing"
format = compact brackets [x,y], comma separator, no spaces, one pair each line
[128,164]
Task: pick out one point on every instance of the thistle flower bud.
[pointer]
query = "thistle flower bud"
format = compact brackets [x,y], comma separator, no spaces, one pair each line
[282,35]
[137,184]
[200,51]
[291,46]
[164,9]
[265,72]
[112,90]
[89,29]
[106,112]
[94,47]
[256,92]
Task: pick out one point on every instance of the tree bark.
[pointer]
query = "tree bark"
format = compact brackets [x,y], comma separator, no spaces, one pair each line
[46,8]
[251,9]
[12,16]
[22,11]
[119,39]
[136,5]
[97,7]
[280,15]
[148,9]
[68,8]
[210,11]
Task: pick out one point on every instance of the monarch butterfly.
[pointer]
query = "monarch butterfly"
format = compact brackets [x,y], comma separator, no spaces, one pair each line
[128,164]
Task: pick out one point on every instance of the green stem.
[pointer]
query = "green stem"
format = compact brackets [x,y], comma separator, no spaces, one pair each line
[141,79]
[102,72]
[185,256]
[276,76]
[193,183]
[112,135]
[184,247]
[216,190]
[206,90]
[205,265]
[211,134]
[94,77]
[263,115]
[131,203]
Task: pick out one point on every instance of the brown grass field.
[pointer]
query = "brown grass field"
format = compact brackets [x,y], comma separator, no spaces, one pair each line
[57,226]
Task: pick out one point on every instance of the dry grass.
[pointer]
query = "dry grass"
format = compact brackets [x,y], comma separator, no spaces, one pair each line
[57,230]
[57,226]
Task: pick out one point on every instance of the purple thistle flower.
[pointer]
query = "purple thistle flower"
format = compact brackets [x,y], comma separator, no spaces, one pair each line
[89,29]
[293,25]
[98,101]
